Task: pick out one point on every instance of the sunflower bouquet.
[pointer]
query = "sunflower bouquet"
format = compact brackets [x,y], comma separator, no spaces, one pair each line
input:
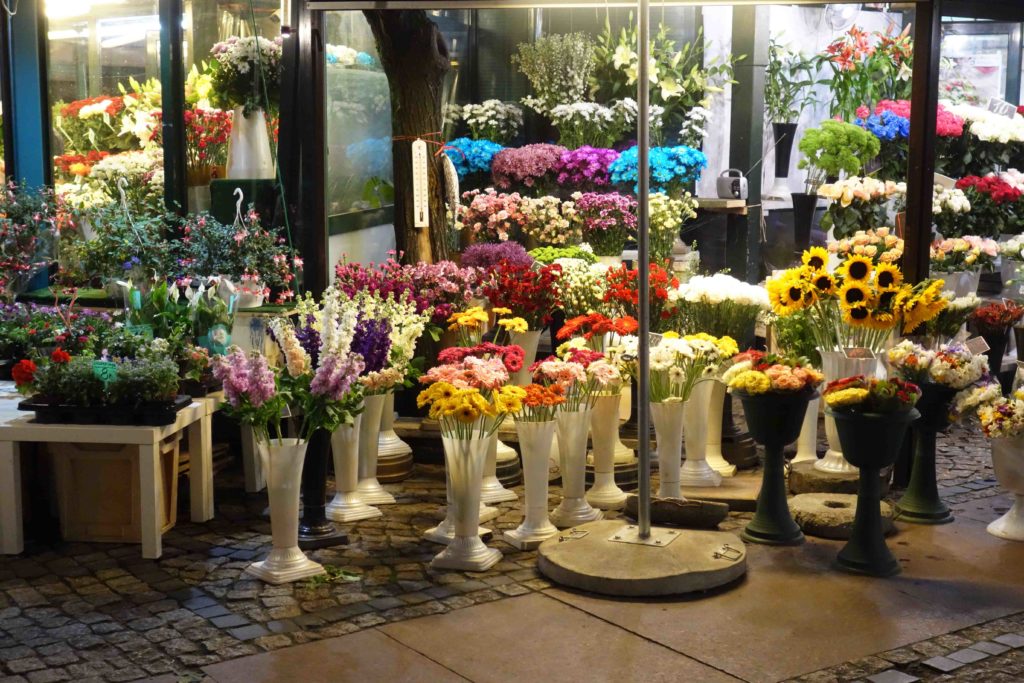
[678,363]
[860,394]
[858,305]
[755,373]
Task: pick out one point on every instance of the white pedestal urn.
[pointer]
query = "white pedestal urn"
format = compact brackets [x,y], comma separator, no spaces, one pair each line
[1008,463]
[807,442]
[535,442]
[604,429]
[529,341]
[389,443]
[573,428]
[667,417]
[464,459]
[370,489]
[491,490]
[347,505]
[835,365]
[282,464]
[249,153]
[712,395]
[696,471]
[444,532]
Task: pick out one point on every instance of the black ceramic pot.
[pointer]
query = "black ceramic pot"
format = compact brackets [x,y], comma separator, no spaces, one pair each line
[774,420]
[804,206]
[871,442]
[920,503]
[784,134]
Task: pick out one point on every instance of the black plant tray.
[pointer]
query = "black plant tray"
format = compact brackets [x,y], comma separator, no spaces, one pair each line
[200,389]
[147,415]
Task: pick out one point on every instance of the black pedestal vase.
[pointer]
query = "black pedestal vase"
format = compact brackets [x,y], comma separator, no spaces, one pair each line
[804,206]
[871,442]
[920,503]
[737,447]
[774,421]
[996,350]
[315,530]
[784,134]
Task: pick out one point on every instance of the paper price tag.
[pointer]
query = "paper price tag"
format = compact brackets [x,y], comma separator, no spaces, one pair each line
[977,345]
[145,331]
[136,299]
[104,370]
[1001,107]
[859,353]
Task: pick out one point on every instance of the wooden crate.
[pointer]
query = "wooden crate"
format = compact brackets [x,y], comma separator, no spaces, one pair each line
[98,490]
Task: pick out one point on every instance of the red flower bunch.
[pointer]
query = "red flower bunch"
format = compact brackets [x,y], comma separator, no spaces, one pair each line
[206,137]
[996,317]
[757,359]
[597,325]
[78,164]
[114,108]
[530,293]
[947,124]
[24,373]
[511,355]
[623,290]
[582,356]
[1020,110]
[994,187]
[60,356]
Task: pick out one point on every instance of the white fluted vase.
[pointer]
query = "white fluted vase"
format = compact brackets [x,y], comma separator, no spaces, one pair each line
[249,154]
[667,417]
[696,471]
[491,490]
[807,442]
[1008,463]
[370,489]
[835,365]
[573,428]
[347,505]
[529,341]
[464,460]
[535,443]
[605,494]
[444,532]
[282,462]
[389,443]
[713,394]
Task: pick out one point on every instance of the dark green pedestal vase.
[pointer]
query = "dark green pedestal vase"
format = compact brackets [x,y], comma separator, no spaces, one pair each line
[920,503]
[871,442]
[774,420]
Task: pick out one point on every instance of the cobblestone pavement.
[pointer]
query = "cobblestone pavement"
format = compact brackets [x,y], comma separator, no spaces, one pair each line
[98,612]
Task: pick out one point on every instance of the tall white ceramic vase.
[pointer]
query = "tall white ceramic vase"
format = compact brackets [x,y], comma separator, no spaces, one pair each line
[282,464]
[573,428]
[807,442]
[347,505]
[464,459]
[696,471]
[535,443]
[249,154]
[529,341]
[1008,463]
[835,365]
[491,490]
[370,489]
[667,417]
[389,443]
[444,532]
[713,394]
[605,494]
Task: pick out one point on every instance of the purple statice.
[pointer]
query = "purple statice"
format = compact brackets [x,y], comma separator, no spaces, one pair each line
[248,380]
[528,166]
[372,341]
[309,339]
[336,375]
[586,167]
[487,255]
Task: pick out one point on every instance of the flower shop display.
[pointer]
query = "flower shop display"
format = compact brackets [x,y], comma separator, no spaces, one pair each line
[487,255]
[608,221]
[558,68]
[139,173]
[530,294]
[30,222]
[206,144]
[788,81]
[993,321]
[832,148]
[585,168]
[774,391]
[588,124]
[347,505]
[535,425]
[247,77]
[1012,254]
[858,204]
[881,245]
[1002,420]
[667,215]
[493,120]
[574,253]
[491,216]
[622,293]
[961,260]
[994,205]
[722,306]
[867,67]
[951,211]
[991,141]
[940,374]
[672,169]
[550,221]
[472,158]
[530,168]
[872,417]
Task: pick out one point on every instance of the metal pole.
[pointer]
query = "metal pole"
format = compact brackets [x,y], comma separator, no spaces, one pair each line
[643,128]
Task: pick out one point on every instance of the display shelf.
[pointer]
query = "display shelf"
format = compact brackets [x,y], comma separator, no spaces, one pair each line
[720,205]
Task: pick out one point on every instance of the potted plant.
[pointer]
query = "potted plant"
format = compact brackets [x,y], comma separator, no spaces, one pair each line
[834,147]
[247,77]
[788,82]
[872,416]
[206,151]
[29,219]
[992,321]
[940,374]
[774,391]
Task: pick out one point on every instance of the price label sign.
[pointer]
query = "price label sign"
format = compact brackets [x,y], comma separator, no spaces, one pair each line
[104,370]
[859,353]
[977,345]
[1001,107]
[144,331]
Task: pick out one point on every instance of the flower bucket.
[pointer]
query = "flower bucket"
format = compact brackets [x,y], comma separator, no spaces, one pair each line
[249,154]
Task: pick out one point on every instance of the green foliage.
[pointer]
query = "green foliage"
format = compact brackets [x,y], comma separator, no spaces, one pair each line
[794,336]
[788,80]
[835,147]
[71,383]
[558,67]
[546,255]
[124,247]
[144,381]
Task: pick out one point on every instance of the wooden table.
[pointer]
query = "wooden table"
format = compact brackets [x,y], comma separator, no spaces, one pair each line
[18,427]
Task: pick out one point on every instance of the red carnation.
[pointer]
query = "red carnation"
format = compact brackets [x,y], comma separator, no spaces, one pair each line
[24,372]
[60,356]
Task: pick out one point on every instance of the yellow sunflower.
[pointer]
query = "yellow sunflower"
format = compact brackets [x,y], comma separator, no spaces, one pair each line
[786,293]
[888,276]
[858,315]
[854,294]
[856,267]
[823,282]
[816,258]
[880,320]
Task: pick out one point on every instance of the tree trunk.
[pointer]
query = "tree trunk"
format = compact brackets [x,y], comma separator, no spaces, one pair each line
[415,58]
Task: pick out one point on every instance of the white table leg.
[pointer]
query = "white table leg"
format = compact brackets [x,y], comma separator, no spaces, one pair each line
[12,536]
[151,499]
[200,478]
[254,481]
